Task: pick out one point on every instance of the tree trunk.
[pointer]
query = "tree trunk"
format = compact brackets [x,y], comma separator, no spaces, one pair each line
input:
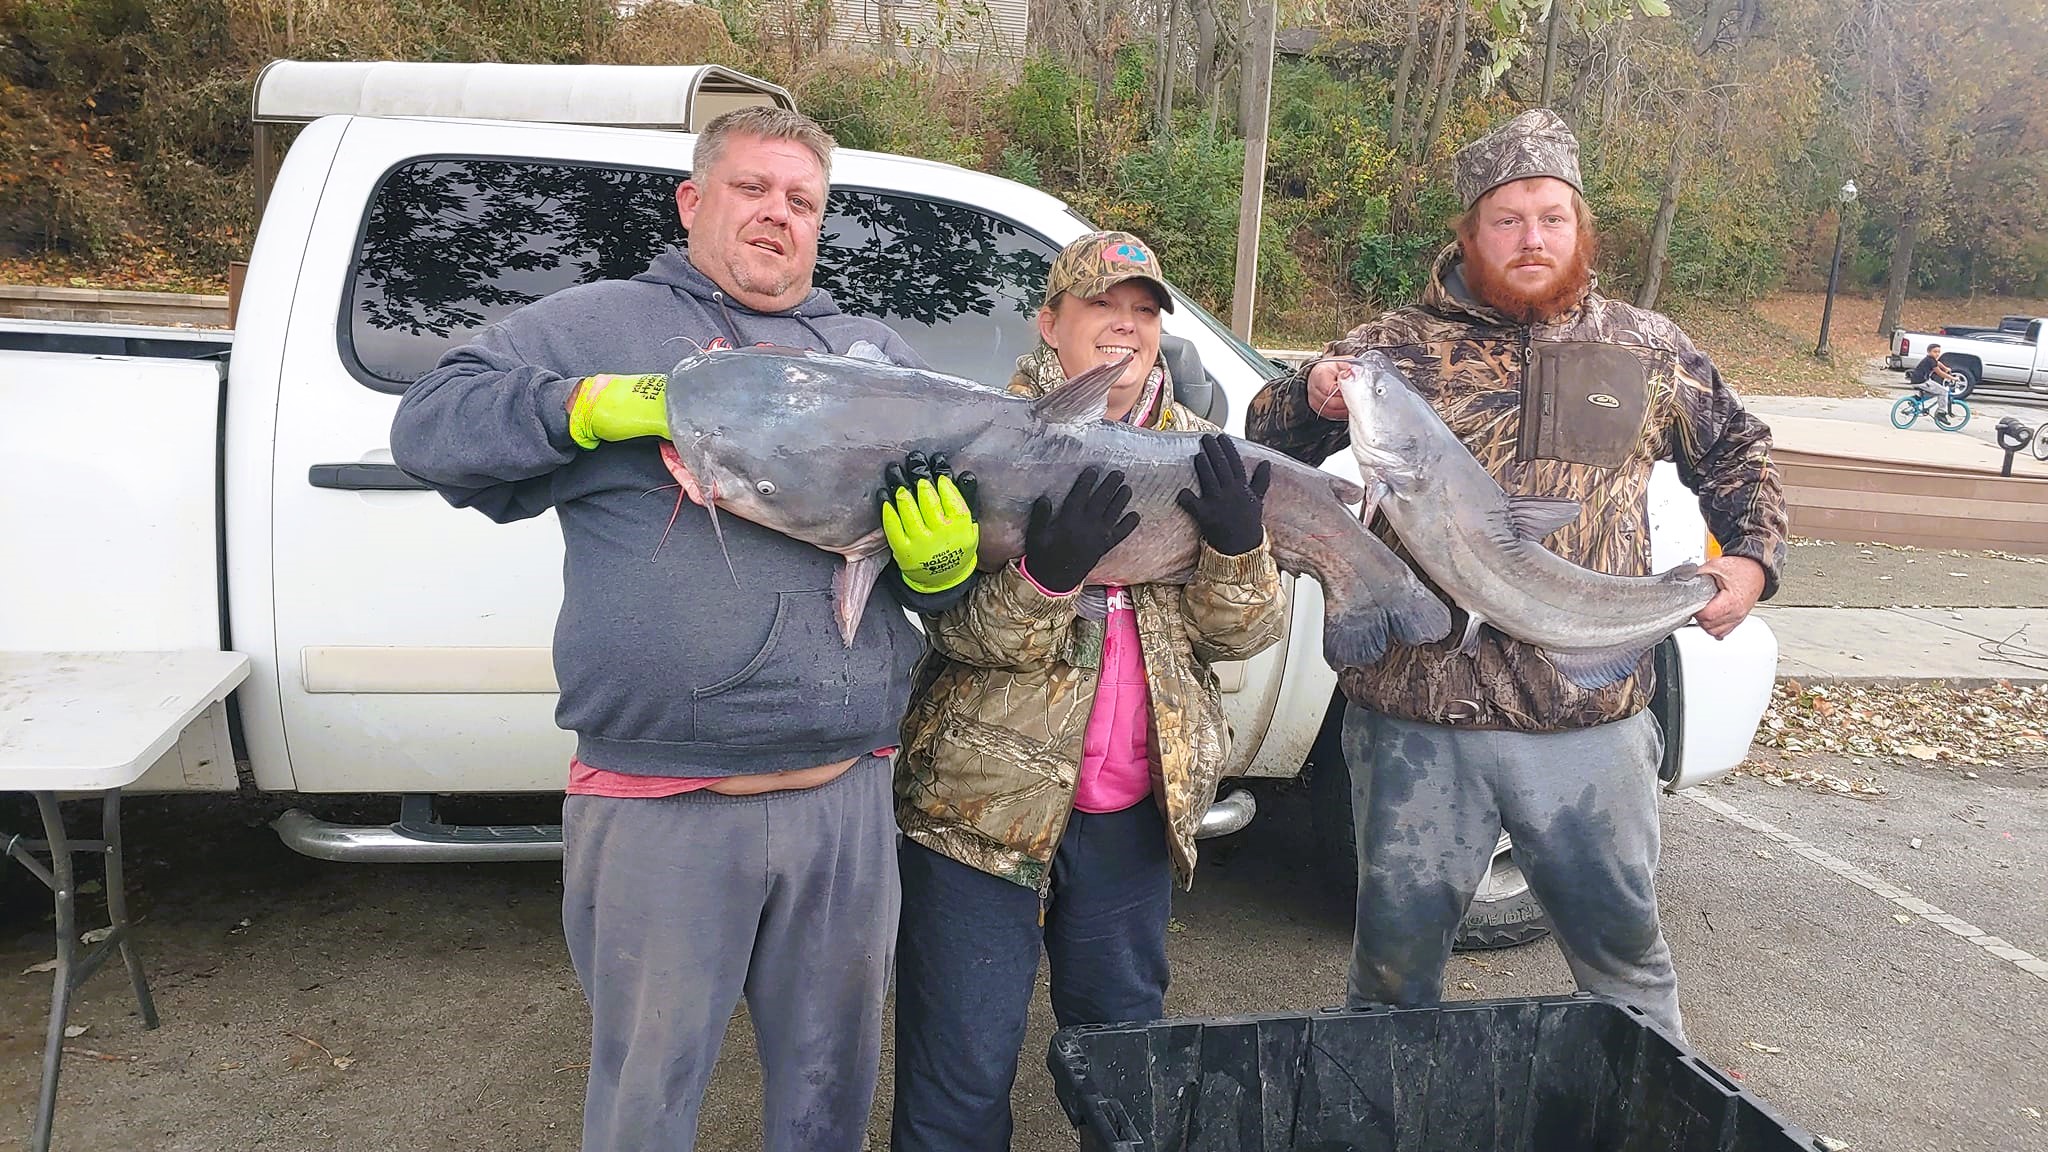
[1162,115]
[1901,268]
[1551,24]
[1574,109]
[1405,72]
[1206,31]
[1455,63]
[1101,49]
[1247,69]
[1667,212]
[1709,34]
[1435,81]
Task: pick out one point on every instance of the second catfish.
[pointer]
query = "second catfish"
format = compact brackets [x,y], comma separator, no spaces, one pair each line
[1484,548]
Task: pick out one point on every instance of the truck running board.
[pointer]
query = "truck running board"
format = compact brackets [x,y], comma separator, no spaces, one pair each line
[418,837]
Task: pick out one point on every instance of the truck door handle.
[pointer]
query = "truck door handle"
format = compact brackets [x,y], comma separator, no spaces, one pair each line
[364,478]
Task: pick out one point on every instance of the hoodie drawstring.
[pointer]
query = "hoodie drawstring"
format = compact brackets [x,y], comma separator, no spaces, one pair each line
[805,321]
[732,327]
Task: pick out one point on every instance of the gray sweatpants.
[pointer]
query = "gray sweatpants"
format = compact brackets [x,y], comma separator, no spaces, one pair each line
[676,907]
[1582,809]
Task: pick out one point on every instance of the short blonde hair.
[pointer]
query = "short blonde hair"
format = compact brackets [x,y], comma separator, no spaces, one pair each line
[765,122]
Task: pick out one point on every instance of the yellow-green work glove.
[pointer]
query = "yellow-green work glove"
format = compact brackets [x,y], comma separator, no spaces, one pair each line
[929,522]
[618,408]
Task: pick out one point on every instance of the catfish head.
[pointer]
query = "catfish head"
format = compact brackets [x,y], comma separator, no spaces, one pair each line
[765,434]
[1393,429]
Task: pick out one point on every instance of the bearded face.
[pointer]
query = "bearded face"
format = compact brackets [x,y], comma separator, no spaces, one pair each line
[1528,249]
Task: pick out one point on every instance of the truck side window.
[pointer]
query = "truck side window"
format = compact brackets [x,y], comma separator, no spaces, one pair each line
[962,287]
[449,246]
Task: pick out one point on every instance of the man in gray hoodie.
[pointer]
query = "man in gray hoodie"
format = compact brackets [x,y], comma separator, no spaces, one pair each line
[728,829]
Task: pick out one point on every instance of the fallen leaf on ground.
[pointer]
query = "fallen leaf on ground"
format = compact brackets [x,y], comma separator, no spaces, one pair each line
[74,1031]
[103,1057]
[1930,723]
[1770,1049]
[1175,926]
[45,966]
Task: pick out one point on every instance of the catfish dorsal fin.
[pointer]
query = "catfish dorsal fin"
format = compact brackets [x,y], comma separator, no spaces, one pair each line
[1535,517]
[1081,400]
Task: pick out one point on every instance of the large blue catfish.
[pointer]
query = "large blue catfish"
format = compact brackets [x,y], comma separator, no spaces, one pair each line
[796,442]
[1484,548]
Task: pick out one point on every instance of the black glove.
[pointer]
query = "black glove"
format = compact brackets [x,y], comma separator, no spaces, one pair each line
[1061,548]
[1230,511]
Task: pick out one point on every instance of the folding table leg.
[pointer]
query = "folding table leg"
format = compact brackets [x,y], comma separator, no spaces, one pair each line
[117,905]
[66,889]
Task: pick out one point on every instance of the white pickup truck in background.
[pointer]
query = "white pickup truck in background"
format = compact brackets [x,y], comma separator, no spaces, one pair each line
[1988,356]
[400,647]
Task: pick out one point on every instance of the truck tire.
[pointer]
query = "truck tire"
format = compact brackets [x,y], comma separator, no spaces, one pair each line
[1504,912]
[1967,374]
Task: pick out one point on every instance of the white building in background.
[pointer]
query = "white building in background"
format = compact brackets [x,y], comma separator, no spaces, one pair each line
[988,28]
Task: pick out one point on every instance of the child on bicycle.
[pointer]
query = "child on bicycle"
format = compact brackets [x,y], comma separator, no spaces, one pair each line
[1934,380]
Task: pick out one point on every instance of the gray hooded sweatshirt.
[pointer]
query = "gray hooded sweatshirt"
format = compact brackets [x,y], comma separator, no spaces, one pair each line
[666,668]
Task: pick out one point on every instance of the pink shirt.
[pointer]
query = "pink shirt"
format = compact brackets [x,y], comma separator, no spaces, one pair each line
[1116,752]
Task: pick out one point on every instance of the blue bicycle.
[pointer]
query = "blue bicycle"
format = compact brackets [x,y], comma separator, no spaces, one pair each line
[1949,416]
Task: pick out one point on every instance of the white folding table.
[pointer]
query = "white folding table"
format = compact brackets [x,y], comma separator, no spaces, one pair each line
[92,723]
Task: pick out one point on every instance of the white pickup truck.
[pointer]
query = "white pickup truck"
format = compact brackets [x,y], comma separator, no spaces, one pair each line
[236,490]
[1989,356]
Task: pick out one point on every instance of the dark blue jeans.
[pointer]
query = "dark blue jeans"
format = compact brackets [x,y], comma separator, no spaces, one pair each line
[967,957]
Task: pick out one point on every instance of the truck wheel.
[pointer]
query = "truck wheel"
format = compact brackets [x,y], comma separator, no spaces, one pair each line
[1966,378]
[1504,911]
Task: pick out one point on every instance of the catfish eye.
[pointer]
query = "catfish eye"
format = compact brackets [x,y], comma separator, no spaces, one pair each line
[765,487]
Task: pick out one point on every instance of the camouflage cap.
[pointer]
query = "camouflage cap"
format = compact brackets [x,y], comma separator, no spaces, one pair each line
[1091,265]
[1536,143]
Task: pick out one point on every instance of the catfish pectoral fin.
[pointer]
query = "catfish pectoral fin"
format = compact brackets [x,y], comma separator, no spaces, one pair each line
[1470,644]
[1598,668]
[851,586]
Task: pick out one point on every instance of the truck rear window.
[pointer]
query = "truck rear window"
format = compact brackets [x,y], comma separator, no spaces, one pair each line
[450,245]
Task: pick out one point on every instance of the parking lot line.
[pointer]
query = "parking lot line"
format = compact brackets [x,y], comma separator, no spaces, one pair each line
[2018,957]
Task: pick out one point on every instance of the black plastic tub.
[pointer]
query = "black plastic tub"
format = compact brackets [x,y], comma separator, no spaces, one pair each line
[1544,1074]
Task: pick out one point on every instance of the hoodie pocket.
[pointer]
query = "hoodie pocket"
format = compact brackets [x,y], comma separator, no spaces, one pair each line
[804,688]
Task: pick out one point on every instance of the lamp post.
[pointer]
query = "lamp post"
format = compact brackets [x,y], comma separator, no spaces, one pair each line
[1827,311]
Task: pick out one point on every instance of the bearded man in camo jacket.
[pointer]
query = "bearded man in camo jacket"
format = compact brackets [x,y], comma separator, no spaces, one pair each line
[1557,391]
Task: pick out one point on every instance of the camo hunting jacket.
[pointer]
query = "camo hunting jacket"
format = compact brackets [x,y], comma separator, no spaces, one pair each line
[1581,407]
[992,741]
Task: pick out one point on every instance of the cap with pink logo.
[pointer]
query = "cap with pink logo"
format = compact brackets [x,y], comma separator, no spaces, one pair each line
[1091,265]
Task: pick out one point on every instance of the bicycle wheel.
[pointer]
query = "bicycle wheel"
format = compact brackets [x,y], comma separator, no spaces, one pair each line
[2041,442]
[1905,411]
[1959,415]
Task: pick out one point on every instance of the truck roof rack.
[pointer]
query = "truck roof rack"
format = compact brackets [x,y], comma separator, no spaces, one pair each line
[674,97]
[678,97]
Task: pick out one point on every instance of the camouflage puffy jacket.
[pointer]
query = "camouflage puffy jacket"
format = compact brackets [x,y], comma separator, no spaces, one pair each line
[1580,407]
[992,740]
